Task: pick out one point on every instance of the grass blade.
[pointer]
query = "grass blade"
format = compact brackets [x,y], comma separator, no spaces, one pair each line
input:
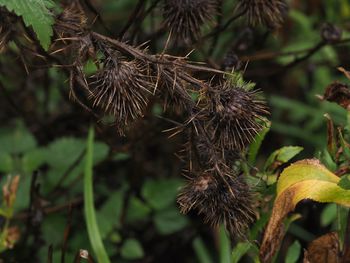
[89,209]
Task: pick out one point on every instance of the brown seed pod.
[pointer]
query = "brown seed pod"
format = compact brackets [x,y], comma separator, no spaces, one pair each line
[220,198]
[185,17]
[234,112]
[331,33]
[265,12]
[5,28]
[121,88]
[72,21]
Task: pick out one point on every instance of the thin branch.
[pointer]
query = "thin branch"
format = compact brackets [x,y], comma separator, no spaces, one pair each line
[132,18]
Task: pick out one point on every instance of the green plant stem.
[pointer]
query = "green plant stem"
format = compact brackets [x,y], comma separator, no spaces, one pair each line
[89,209]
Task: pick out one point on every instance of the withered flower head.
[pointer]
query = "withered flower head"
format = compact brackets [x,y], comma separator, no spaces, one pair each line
[265,12]
[72,21]
[5,28]
[185,17]
[220,199]
[234,112]
[121,88]
[331,33]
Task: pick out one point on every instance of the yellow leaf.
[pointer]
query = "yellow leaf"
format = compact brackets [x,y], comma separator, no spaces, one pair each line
[306,179]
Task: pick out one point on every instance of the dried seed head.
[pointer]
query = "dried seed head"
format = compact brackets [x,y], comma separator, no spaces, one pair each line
[5,28]
[266,12]
[220,199]
[72,21]
[234,112]
[122,89]
[204,151]
[331,33]
[173,91]
[185,17]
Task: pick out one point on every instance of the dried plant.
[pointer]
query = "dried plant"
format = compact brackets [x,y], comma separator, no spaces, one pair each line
[72,21]
[5,28]
[265,12]
[221,197]
[234,112]
[121,88]
[185,17]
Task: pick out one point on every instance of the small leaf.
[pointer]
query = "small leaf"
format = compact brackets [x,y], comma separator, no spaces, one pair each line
[6,163]
[137,210]
[63,152]
[161,193]
[345,182]
[256,144]
[18,141]
[328,215]
[109,215]
[240,250]
[33,159]
[35,13]
[293,253]
[282,156]
[169,221]
[131,249]
[307,179]
[121,157]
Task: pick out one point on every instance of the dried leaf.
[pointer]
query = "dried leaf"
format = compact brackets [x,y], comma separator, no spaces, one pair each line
[345,72]
[306,179]
[9,191]
[338,93]
[331,140]
[324,249]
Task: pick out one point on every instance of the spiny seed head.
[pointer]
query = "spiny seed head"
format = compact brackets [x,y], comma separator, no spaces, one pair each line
[331,33]
[234,112]
[121,88]
[205,151]
[220,199]
[72,21]
[5,28]
[185,17]
[265,12]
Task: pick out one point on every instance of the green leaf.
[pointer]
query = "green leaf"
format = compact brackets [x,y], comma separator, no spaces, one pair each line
[17,141]
[159,194]
[109,215]
[345,182]
[225,246]
[35,13]
[283,155]
[137,210]
[256,144]
[240,250]
[328,215]
[293,252]
[89,208]
[6,163]
[131,249]
[33,159]
[201,251]
[169,221]
[306,179]
[63,152]
[121,157]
